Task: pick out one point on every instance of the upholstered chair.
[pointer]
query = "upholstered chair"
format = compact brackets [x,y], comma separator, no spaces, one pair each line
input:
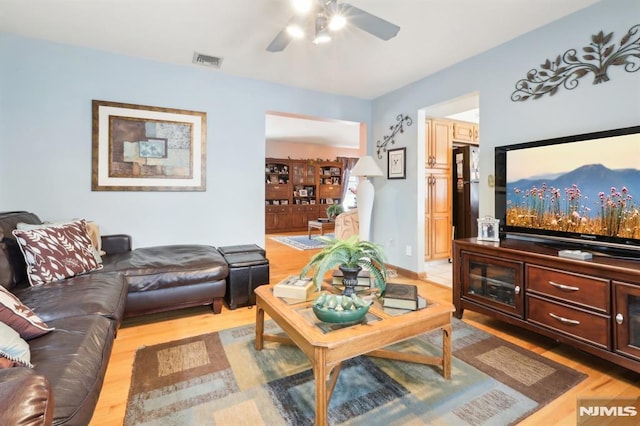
[347,224]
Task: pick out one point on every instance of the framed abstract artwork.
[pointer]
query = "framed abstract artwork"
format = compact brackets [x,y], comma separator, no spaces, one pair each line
[145,148]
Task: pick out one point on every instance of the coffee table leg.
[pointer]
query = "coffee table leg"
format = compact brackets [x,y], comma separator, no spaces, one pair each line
[446,352]
[320,377]
[259,328]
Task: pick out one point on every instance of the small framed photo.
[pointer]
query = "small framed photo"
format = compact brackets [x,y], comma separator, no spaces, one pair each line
[396,167]
[302,192]
[488,229]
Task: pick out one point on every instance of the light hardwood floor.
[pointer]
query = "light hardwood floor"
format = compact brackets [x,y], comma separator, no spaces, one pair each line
[605,379]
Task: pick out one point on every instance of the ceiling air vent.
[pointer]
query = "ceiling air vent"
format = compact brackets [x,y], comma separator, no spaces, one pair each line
[206,60]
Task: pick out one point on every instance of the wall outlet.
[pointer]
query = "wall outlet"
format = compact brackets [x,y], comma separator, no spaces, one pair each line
[408,250]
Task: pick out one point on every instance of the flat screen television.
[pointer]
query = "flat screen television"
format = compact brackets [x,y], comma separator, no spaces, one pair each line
[581,190]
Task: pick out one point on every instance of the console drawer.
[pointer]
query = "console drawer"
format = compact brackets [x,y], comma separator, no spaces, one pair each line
[583,290]
[587,326]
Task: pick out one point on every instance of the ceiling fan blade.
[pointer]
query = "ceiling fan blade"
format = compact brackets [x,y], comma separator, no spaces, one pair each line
[280,41]
[369,23]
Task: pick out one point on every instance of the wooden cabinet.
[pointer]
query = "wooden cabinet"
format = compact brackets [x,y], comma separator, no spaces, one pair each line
[297,191]
[593,305]
[438,233]
[277,182]
[440,135]
[438,195]
[626,311]
[277,218]
[302,214]
[495,282]
[303,172]
[438,145]
[329,183]
[465,132]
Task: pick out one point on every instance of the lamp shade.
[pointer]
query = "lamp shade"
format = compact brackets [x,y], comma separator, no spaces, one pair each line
[366,166]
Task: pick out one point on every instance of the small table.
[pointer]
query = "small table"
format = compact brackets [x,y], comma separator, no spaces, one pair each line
[328,345]
[320,225]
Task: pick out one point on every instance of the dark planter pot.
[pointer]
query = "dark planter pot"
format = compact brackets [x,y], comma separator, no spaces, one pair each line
[349,278]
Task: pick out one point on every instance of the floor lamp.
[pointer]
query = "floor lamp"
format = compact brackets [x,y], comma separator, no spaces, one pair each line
[366,167]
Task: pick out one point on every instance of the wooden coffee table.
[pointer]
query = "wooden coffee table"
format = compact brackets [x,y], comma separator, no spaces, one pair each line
[316,224]
[328,345]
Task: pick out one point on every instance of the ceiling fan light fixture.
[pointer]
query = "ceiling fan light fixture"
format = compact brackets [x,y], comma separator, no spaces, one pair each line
[322,37]
[337,22]
[295,31]
[322,31]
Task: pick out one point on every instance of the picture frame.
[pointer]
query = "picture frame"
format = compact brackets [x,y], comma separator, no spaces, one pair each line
[302,192]
[147,148]
[488,229]
[396,164]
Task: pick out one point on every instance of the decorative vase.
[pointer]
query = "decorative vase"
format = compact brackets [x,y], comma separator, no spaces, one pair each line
[349,278]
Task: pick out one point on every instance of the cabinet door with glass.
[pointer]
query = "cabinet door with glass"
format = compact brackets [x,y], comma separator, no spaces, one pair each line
[627,319]
[493,282]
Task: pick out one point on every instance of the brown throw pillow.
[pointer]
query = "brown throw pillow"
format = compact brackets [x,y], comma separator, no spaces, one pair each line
[56,252]
[19,317]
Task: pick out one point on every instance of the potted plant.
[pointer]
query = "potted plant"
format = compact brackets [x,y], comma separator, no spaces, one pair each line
[334,210]
[351,256]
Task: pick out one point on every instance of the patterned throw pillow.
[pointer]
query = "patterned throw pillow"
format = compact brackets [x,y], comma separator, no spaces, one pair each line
[93,232]
[13,347]
[19,317]
[56,252]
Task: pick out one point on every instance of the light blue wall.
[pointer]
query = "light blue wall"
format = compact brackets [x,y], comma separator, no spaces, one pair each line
[45,130]
[399,207]
[46,91]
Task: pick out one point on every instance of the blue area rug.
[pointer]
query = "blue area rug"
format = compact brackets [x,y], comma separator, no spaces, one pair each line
[303,242]
[220,379]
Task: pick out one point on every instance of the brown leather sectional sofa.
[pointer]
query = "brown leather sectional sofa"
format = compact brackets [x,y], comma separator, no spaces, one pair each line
[86,310]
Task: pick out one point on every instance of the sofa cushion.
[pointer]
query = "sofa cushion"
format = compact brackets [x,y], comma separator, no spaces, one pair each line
[96,293]
[13,347]
[154,268]
[56,252]
[19,317]
[74,359]
[26,398]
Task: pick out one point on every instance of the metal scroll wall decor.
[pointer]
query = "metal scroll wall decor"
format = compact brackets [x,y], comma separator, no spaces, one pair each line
[569,67]
[395,129]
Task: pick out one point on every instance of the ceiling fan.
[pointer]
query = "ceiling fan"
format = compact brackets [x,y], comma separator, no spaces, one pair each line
[323,17]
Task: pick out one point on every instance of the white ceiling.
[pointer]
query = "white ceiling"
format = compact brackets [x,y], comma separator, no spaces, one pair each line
[434,34]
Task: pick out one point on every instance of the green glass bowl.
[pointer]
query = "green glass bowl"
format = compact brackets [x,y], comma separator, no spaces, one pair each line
[333,316]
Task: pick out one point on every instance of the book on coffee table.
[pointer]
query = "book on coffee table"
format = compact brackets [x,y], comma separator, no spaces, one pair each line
[294,287]
[403,296]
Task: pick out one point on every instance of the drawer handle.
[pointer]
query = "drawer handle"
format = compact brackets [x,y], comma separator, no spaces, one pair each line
[564,287]
[564,320]
[619,318]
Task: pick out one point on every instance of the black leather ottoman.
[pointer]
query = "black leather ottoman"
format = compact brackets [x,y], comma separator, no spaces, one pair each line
[242,248]
[246,272]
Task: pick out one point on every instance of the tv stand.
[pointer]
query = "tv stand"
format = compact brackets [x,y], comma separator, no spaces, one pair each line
[593,305]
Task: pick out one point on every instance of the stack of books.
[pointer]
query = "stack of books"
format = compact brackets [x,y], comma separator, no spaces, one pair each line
[364,280]
[403,296]
[294,287]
